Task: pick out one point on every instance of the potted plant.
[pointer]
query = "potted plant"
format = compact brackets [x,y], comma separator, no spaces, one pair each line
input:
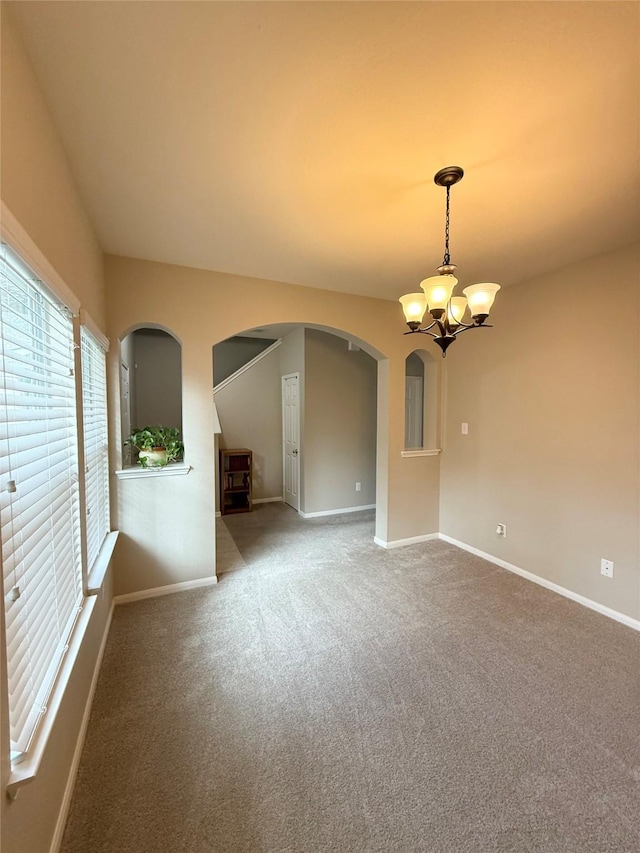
[156,445]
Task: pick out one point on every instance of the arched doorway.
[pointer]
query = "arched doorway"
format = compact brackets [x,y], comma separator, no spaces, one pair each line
[337,382]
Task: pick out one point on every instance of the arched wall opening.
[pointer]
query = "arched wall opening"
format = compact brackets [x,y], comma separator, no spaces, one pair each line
[336,376]
[422,413]
[150,372]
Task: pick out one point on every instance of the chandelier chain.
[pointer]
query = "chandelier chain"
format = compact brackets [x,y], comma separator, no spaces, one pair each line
[447,256]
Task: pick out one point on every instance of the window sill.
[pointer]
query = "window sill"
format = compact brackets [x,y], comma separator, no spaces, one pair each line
[410,454]
[101,564]
[171,470]
[25,769]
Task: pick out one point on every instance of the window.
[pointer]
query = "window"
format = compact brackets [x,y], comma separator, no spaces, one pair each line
[414,402]
[96,448]
[422,394]
[39,491]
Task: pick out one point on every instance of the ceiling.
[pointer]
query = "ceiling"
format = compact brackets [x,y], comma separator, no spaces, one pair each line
[297,141]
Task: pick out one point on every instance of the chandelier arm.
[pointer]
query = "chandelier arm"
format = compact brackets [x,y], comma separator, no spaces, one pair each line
[467,325]
[421,331]
[426,328]
[473,326]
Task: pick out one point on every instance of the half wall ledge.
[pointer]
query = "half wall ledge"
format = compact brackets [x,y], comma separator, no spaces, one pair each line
[170,470]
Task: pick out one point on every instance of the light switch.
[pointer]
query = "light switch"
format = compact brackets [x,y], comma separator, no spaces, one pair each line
[465,429]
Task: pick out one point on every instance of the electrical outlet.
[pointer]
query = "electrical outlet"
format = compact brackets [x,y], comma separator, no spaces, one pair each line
[358,487]
[464,429]
[501,530]
[606,568]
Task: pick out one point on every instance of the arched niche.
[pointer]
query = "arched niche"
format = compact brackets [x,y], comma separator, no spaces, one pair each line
[421,401]
[150,380]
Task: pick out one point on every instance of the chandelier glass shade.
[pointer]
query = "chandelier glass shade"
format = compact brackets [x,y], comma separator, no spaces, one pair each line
[447,311]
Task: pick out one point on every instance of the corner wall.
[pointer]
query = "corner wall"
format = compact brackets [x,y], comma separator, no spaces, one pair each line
[340,424]
[551,396]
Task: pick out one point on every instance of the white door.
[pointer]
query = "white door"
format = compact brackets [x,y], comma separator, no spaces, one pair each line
[291,439]
[413,412]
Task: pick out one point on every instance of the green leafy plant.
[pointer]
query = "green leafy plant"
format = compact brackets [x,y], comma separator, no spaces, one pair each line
[156,438]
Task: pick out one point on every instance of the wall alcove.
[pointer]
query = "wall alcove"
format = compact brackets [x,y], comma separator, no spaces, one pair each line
[150,381]
[421,402]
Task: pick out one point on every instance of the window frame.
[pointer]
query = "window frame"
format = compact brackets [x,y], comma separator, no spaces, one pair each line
[16,774]
[43,585]
[91,370]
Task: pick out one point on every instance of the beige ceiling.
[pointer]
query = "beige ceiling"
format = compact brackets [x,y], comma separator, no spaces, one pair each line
[298,141]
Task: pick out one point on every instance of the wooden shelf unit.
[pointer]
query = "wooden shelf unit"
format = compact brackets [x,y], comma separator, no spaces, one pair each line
[235,480]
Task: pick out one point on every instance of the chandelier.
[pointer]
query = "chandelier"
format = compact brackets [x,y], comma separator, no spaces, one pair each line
[447,311]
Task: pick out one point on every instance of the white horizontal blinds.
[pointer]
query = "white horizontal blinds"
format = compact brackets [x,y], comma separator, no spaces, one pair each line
[38,491]
[96,449]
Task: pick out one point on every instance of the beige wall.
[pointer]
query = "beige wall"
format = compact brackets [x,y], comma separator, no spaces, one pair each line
[167,525]
[551,398]
[413,487]
[250,412]
[340,424]
[38,189]
[37,185]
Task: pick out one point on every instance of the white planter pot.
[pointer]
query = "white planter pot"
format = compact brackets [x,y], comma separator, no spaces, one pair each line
[156,458]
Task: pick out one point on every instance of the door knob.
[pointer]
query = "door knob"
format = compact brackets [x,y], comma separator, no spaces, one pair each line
[294,452]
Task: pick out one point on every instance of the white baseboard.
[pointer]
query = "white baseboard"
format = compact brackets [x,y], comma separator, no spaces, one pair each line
[77,753]
[629,621]
[400,543]
[169,589]
[335,511]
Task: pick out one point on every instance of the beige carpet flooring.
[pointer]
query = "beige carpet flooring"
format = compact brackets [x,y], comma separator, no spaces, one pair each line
[328,695]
